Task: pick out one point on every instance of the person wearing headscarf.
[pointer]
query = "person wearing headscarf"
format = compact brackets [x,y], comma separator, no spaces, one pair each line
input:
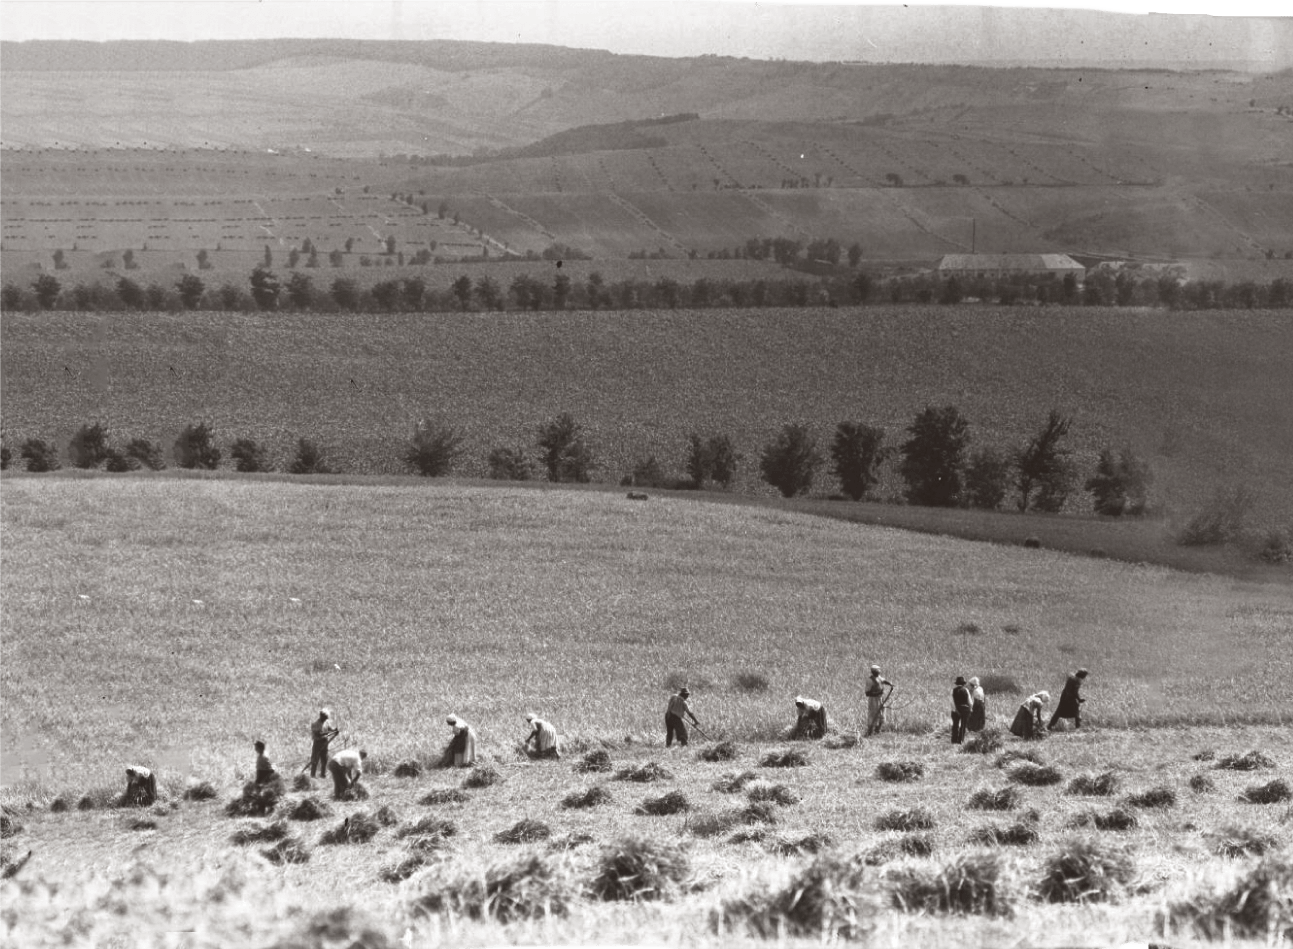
[320,734]
[1070,704]
[141,786]
[346,768]
[674,724]
[462,747]
[544,736]
[1028,720]
[875,700]
[978,707]
[811,720]
[961,709]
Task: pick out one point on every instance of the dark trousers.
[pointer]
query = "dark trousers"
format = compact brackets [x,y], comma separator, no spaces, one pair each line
[674,726]
[1076,716]
[319,757]
[340,779]
[959,719]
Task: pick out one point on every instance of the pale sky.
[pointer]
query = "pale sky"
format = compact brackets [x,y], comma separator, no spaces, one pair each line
[658,27]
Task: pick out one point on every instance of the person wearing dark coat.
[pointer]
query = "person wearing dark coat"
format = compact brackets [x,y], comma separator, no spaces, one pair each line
[961,709]
[1070,704]
[978,707]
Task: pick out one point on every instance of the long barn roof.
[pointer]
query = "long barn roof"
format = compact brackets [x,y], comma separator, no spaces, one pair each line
[1009,262]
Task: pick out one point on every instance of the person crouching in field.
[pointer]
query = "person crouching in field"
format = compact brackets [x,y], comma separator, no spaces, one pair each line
[961,710]
[1028,720]
[320,734]
[674,725]
[978,707]
[811,722]
[265,773]
[1070,705]
[346,768]
[462,747]
[875,700]
[544,736]
[141,786]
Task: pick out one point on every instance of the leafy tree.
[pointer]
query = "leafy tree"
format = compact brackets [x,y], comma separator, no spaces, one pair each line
[596,290]
[128,259]
[433,449]
[862,287]
[857,451]
[666,290]
[249,456]
[390,245]
[146,453]
[89,446]
[1120,484]
[10,297]
[195,447]
[488,293]
[855,254]
[699,465]
[1069,289]
[987,479]
[414,289]
[190,288]
[117,461]
[60,260]
[336,258]
[933,456]
[47,290]
[566,455]
[510,464]
[1222,520]
[204,259]
[300,291]
[313,260]
[560,291]
[265,288]
[6,456]
[522,290]
[647,473]
[951,291]
[293,258]
[131,294]
[790,460]
[723,459]
[386,294]
[231,297]
[268,260]
[1041,466]
[155,296]
[309,459]
[345,293]
[40,455]
[462,290]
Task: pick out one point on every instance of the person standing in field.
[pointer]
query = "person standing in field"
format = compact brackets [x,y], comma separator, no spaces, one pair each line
[544,736]
[961,710]
[674,724]
[875,700]
[1028,720]
[811,722]
[462,747]
[978,707]
[141,786]
[265,773]
[346,768]
[320,734]
[1070,704]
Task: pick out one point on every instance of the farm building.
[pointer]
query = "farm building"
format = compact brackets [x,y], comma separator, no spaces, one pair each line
[1010,265]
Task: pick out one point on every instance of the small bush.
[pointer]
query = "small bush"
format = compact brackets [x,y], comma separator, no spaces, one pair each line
[289,850]
[898,772]
[987,799]
[1034,775]
[969,884]
[1018,834]
[1118,819]
[97,799]
[1104,784]
[438,796]
[750,682]
[200,791]
[1202,784]
[1238,841]
[985,742]
[61,804]
[309,808]
[255,800]
[1221,520]
[510,464]
[674,802]
[791,758]
[358,828]
[308,459]
[734,783]
[148,455]
[1032,543]
[1153,798]
[40,456]
[88,447]
[917,818]
[1273,792]
[825,900]
[260,833]
[773,793]
[1275,547]
[1248,761]
[915,845]
[639,868]
[408,769]
[250,456]
[592,797]
[524,831]
[195,447]
[534,886]
[644,774]
[433,450]
[1258,906]
[1084,870]
[482,776]
[812,843]
[596,760]
[723,751]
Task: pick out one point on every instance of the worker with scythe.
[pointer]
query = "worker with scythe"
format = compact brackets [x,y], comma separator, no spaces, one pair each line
[320,734]
[876,699]
[674,725]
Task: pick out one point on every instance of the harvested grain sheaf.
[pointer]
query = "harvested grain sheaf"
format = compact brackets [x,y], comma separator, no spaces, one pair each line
[61,803]
[289,850]
[723,751]
[428,827]
[1116,819]
[772,793]
[790,758]
[255,800]
[1206,755]
[1273,792]
[837,741]
[408,769]
[734,783]
[915,845]
[1034,775]
[969,884]
[588,797]
[1153,798]
[406,866]
[644,774]
[309,808]
[571,841]
[358,828]
[675,802]
[1249,761]
[988,799]
[142,823]
[524,831]
[533,886]
[1202,784]
[1015,755]
[356,792]
[1085,870]
[595,761]
[640,868]
[10,826]
[799,846]
[916,818]
[711,823]
[827,899]
[444,796]
[482,776]
[1019,834]
[899,772]
[757,812]
[1236,840]
[257,833]
[200,791]
[302,782]
[1258,906]
[983,743]
[750,835]
[97,799]
[1104,784]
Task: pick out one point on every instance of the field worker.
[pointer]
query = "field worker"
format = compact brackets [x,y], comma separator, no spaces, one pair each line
[978,707]
[346,768]
[265,773]
[1028,720]
[875,686]
[462,747]
[320,734]
[962,708]
[811,722]
[674,725]
[1070,702]
[544,736]
[141,786]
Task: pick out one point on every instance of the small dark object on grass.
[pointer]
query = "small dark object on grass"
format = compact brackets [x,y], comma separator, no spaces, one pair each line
[1154,797]
[826,899]
[1018,834]
[592,797]
[639,868]
[675,802]
[1248,761]
[798,846]
[596,760]
[750,835]
[386,816]
[524,831]
[1104,784]
[404,868]
[644,774]
[1259,906]
[1084,870]
[482,776]
[428,827]
[1272,792]
[757,812]
[10,826]
[1116,819]
[408,769]
[428,843]
[749,682]
[533,886]
[256,800]
[444,796]
[97,799]
[309,808]
[200,791]
[734,783]
[983,743]
[142,823]
[1034,775]
[790,758]
[356,792]
[60,804]
[287,851]
[1013,755]
[988,799]
[1032,543]
[839,740]
[1201,784]
[971,884]
[711,823]
[571,841]
[915,845]
[1237,841]
[358,828]
[259,833]
[723,751]
[917,818]
[969,629]
[302,782]
[773,793]
[899,771]
[1206,755]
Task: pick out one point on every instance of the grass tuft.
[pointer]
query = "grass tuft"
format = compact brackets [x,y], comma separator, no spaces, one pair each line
[1202,784]
[288,850]
[257,833]
[10,826]
[1014,755]
[838,740]
[812,843]
[482,776]
[408,769]
[826,900]
[773,793]
[405,867]
[674,802]
[1155,797]
[302,782]
[723,751]
[358,828]
[1248,761]
[438,796]
[97,799]
[789,758]
[640,868]
[1085,870]
[255,800]
[898,772]
[734,783]
[533,886]
[1235,840]
[757,812]
[386,816]
[1206,755]
[985,742]
[989,799]
[591,797]
[429,826]
[969,884]
[750,682]
[644,774]
[1104,784]
[61,803]
[1116,819]
[1034,775]
[595,761]
[524,831]
[1259,906]
[142,823]
[916,818]
[200,791]
[1019,834]
[1273,792]
[711,823]
[309,808]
